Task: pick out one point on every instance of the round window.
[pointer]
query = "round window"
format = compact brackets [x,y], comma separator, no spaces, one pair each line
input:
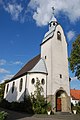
[42,81]
[33,81]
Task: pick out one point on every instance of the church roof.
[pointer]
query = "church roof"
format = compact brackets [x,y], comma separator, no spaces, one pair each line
[27,67]
[40,67]
[53,19]
[75,94]
[50,33]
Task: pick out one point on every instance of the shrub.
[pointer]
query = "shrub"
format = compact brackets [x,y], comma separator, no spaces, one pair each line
[49,106]
[38,100]
[24,106]
[5,104]
[78,109]
[3,115]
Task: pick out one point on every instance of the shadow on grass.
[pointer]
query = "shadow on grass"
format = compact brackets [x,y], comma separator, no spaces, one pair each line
[12,115]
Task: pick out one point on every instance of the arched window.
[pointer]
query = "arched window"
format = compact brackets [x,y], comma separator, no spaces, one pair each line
[50,24]
[42,81]
[33,81]
[13,85]
[59,35]
[7,88]
[21,84]
[60,75]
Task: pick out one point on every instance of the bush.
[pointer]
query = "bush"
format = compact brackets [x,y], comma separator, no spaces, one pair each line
[38,100]
[3,115]
[5,104]
[24,106]
[78,109]
[49,106]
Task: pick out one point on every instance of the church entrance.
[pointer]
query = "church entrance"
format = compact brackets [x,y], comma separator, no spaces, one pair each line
[58,104]
[61,101]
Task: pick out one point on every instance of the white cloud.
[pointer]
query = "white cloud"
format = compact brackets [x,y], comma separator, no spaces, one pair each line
[2,62]
[70,35]
[14,9]
[18,63]
[73,78]
[42,10]
[2,70]
[6,77]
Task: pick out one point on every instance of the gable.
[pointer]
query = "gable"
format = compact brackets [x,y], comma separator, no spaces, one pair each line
[40,67]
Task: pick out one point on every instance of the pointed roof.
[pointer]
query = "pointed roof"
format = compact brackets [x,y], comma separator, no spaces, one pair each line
[52,27]
[40,67]
[75,94]
[27,67]
[53,20]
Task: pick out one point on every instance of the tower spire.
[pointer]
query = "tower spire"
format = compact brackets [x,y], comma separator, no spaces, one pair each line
[53,21]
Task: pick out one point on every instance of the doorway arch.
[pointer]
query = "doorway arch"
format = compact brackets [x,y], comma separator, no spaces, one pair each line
[61,101]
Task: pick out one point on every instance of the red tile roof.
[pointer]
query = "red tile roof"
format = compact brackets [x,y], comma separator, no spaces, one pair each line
[75,94]
[27,67]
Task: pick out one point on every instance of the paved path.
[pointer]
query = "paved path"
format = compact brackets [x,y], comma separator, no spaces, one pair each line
[21,116]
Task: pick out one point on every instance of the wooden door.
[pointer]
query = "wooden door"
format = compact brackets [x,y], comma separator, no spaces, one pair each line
[58,104]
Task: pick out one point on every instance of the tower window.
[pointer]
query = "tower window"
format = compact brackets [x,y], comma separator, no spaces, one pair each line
[7,88]
[59,35]
[13,87]
[42,81]
[33,81]
[45,57]
[21,84]
[54,24]
[50,24]
[60,75]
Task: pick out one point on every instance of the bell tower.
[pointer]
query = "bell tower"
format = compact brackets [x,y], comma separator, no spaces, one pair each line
[54,53]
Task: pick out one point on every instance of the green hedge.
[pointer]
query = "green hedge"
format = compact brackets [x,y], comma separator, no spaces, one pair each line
[25,106]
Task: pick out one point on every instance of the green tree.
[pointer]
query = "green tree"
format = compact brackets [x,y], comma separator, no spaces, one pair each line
[38,100]
[75,57]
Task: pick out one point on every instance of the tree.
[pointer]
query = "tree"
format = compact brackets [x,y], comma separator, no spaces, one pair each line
[74,58]
[38,100]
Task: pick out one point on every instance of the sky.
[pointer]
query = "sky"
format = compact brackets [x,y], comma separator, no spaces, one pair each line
[23,24]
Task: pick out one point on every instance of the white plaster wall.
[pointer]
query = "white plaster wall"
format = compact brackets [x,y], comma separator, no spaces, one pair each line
[16,95]
[46,51]
[56,62]
[19,96]
[31,87]
[59,63]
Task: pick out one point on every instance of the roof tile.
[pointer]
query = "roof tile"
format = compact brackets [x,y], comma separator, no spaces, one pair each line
[75,94]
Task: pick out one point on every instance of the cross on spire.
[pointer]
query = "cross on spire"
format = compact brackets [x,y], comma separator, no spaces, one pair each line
[53,9]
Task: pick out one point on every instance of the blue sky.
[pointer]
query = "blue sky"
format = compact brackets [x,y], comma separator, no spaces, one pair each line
[23,24]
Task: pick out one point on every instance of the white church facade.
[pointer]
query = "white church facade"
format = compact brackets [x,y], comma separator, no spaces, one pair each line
[50,67]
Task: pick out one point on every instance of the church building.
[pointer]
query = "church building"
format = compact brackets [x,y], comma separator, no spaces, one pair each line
[50,67]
